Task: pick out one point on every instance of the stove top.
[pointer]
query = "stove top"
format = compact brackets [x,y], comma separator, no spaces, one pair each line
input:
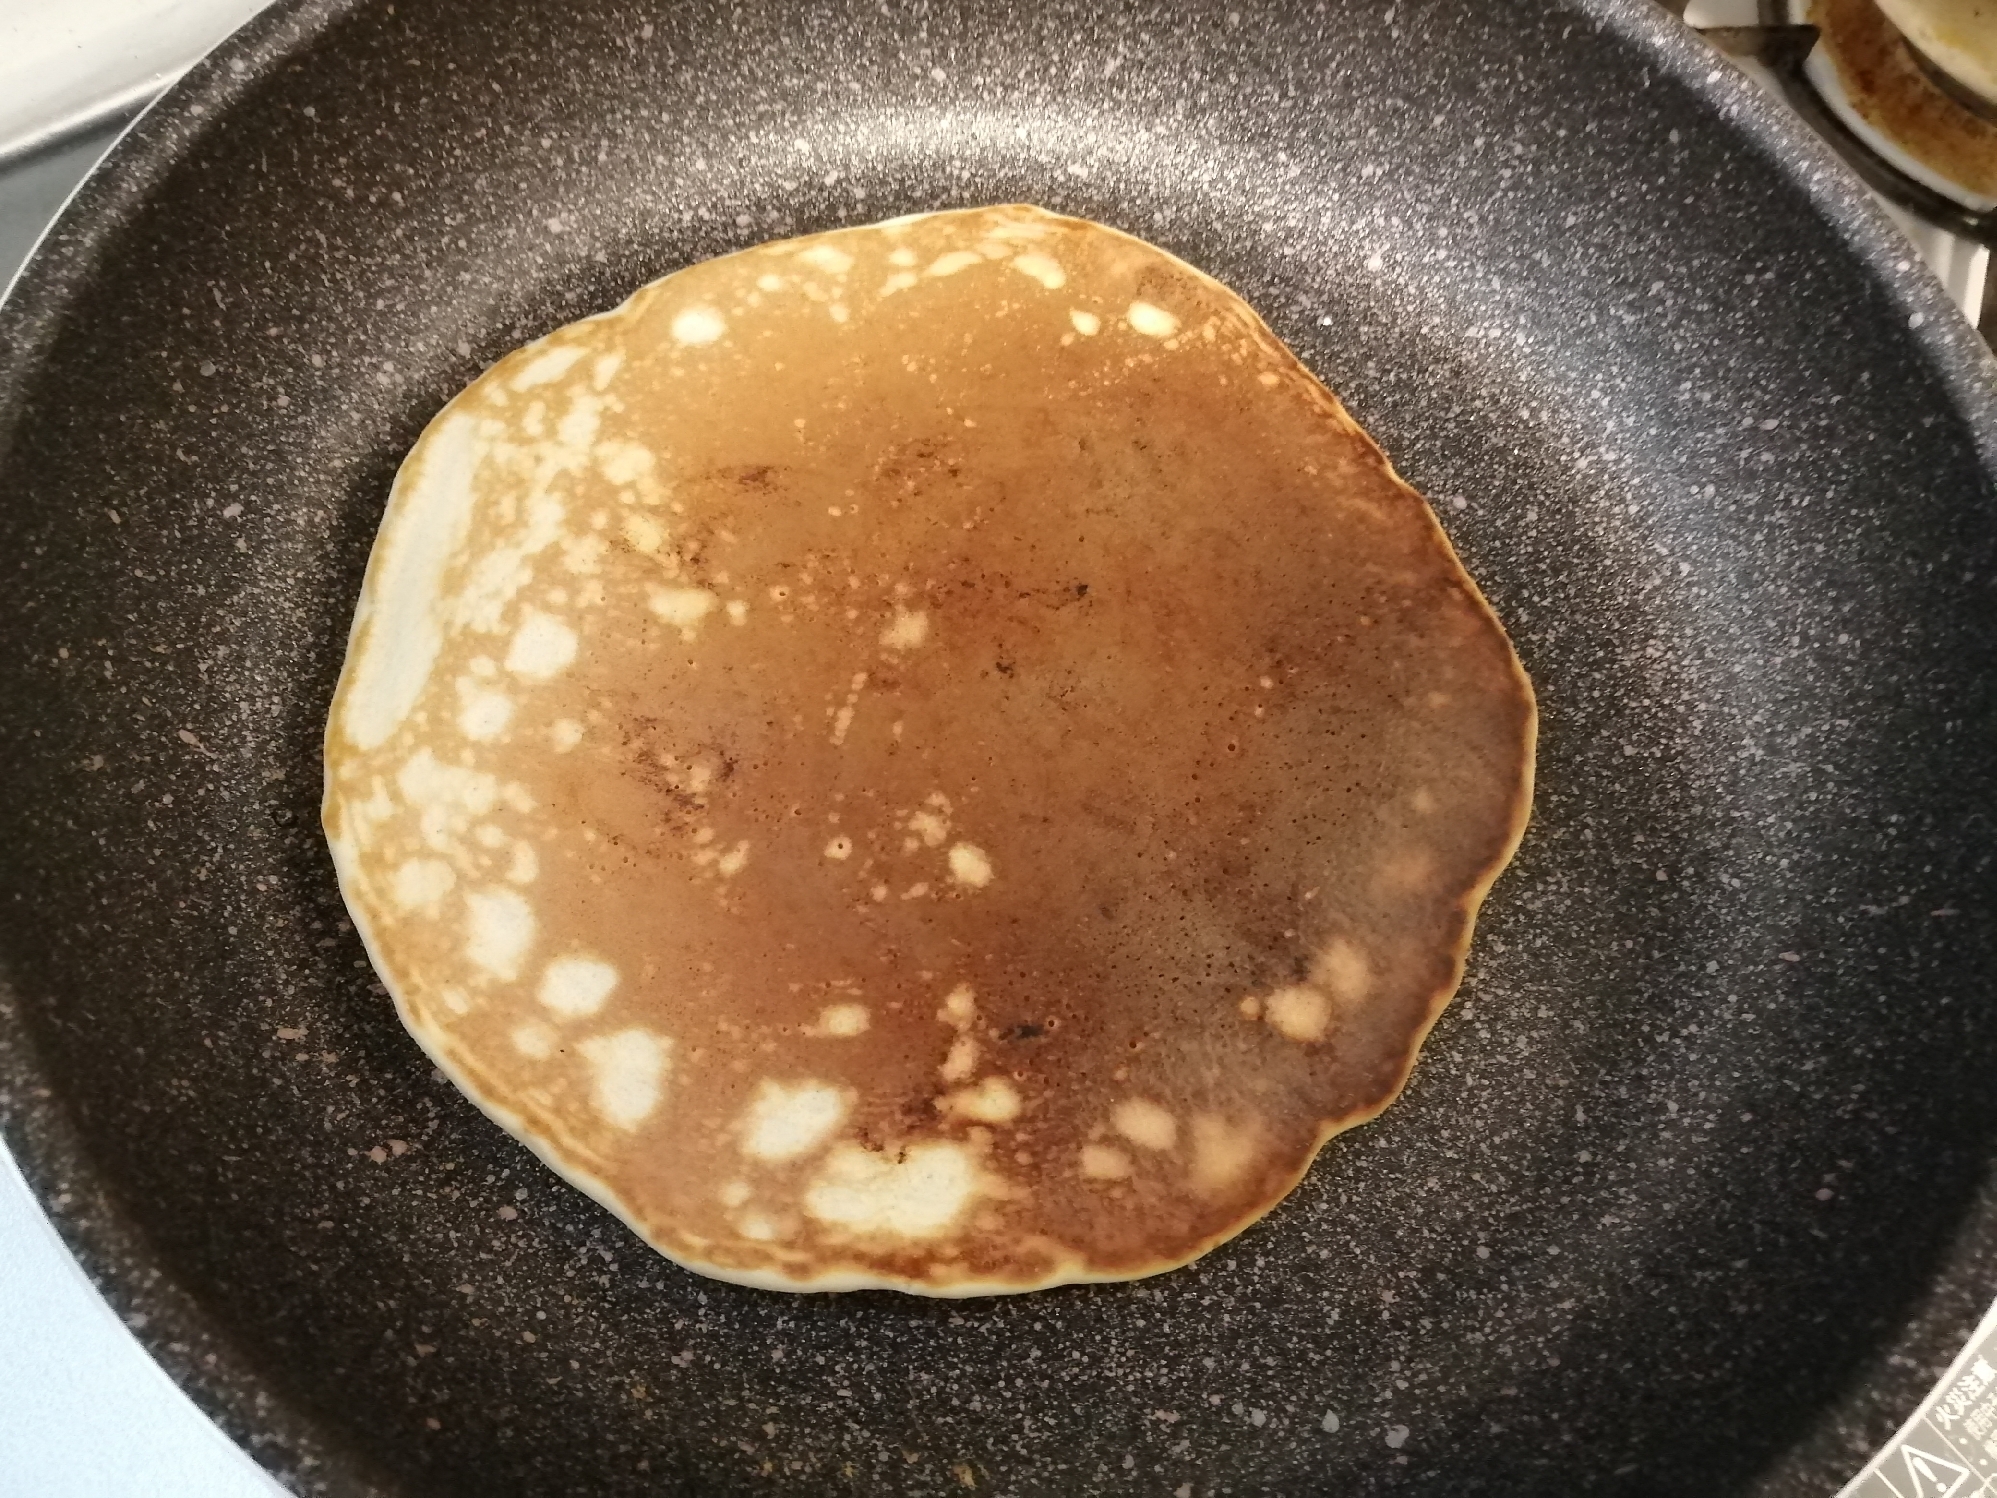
[1840,65]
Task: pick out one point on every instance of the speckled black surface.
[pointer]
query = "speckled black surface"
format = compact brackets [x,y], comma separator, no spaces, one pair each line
[1687,1195]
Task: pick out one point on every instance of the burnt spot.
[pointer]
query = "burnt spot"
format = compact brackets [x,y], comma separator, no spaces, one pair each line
[1026,1030]
[681,777]
[910,464]
[720,763]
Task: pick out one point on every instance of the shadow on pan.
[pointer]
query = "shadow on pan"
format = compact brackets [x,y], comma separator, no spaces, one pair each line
[1687,1195]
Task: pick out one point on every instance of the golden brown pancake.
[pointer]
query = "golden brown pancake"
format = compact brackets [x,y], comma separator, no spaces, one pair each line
[932,756]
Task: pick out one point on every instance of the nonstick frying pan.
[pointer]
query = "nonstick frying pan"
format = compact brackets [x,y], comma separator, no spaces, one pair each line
[1688,1195]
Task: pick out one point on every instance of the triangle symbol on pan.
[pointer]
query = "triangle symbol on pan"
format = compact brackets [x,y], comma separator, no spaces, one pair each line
[1932,1476]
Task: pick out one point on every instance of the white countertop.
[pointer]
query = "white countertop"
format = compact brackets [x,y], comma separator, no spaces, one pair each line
[84,1411]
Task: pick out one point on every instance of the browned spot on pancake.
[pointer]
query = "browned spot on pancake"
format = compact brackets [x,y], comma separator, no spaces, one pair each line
[963,795]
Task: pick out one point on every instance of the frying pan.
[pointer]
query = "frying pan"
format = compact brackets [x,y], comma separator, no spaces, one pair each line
[1690,1192]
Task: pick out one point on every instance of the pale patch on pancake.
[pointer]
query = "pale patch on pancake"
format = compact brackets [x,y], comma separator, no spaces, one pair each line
[699,325]
[970,866]
[1407,871]
[1145,1124]
[493,581]
[576,986]
[725,862]
[499,928]
[826,257]
[992,1101]
[827,754]
[1042,268]
[534,1040]
[627,1074]
[1099,1162]
[1151,321]
[645,534]
[842,718]
[625,462]
[1343,970]
[1299,1014]
[960,1007]
[918,1195]
[960,1061]
[950,264]
[397,632]
[484,716]
[907,630]
[1222,1153]
[842,1021]
[787,1120]
[959,1012]
[579,424]
[546,367]
[683,608]
[423,882]
[542,647]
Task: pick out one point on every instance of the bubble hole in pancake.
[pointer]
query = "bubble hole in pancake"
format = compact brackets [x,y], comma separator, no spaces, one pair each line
[932,756]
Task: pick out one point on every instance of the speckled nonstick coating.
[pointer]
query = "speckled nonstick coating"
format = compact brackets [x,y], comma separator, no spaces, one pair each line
[1688,1193]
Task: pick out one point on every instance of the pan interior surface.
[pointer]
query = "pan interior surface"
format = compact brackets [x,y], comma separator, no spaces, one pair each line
[1709,1117]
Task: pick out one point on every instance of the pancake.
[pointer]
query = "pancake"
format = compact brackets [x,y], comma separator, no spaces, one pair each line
[933,756]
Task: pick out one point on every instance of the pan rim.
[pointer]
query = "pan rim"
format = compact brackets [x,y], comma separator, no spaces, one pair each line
[38,1131]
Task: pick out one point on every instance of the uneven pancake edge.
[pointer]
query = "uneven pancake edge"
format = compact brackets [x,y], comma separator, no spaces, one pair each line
[550,1150]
